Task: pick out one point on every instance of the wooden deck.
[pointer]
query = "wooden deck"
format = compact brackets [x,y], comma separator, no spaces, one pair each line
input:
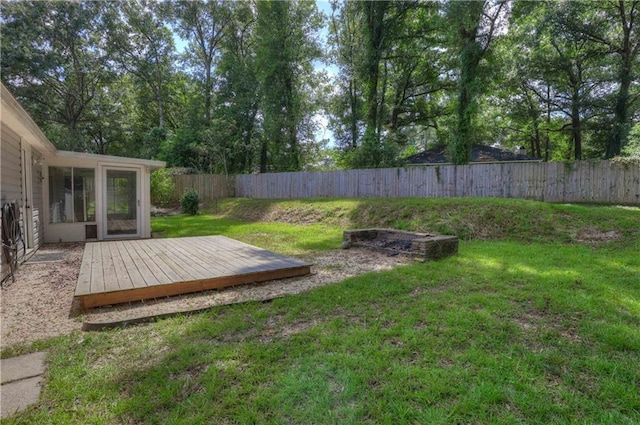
[115,272]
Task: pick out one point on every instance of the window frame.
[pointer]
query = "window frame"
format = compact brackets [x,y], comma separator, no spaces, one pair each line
[93,198]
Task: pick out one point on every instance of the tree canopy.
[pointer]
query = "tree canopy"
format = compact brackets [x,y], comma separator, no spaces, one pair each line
[244,86]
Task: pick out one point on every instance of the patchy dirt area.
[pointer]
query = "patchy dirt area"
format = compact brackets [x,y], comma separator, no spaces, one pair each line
[38,305]
[593,235]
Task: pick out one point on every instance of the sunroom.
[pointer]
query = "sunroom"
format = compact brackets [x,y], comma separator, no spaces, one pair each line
[96,197]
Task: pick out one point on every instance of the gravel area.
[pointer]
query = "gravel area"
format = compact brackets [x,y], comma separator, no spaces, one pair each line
[39,304]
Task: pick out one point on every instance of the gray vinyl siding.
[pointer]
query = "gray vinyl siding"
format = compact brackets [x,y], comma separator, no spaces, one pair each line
[11,175]
[37,203]
[11,166]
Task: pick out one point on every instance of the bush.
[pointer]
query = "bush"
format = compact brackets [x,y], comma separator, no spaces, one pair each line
[189,202]
[162,188]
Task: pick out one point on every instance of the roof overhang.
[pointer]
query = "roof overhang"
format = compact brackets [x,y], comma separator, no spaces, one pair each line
[152,164]
[16,118]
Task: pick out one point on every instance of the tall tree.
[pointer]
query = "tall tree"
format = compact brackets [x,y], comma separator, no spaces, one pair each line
[56,61]
[345,36]
[387,90]
[203,24]
[614,25]
[145,49]
[476,24]
[238,96]
[285,50]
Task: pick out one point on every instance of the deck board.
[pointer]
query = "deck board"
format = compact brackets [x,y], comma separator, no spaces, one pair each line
[97,272]
[121,271]
[109,270]
[121,275]
[136,279]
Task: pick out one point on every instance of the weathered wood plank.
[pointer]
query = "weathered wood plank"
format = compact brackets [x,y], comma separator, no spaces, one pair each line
[140,262]
[124,281]
[172,267]
[137,281]
[97,272]
[110,276]
[83,286]
[151,262]
[175,252]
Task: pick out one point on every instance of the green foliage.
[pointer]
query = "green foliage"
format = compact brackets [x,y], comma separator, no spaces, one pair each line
[162,188]
[190,201]
[633,145]
[284,52]
[246,93]
[56,60]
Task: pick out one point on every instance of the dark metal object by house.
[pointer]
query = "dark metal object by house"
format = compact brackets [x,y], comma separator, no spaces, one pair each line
[11,237]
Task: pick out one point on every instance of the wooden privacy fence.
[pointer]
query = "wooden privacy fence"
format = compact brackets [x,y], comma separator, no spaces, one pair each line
[208,186]
[585,181]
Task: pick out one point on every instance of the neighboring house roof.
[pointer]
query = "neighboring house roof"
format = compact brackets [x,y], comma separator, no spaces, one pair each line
[479,153]
[19,120]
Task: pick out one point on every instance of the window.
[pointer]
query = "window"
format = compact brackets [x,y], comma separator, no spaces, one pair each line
[72,195]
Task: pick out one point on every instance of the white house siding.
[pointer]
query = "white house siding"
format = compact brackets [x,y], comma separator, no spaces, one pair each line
[10,175]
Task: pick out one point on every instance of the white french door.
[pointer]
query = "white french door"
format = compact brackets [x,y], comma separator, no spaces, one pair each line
[121,202]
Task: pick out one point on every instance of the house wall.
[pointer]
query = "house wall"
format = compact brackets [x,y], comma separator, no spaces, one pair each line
[11,177]
[11,168]
[75,232]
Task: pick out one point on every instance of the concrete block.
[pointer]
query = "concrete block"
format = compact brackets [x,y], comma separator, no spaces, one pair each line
[21,367]
[16,396]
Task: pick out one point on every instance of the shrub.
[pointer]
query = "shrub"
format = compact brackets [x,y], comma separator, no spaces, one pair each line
[162,188]
[189,202]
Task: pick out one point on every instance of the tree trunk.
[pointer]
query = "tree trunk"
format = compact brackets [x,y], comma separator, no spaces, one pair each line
[263,156]
[620,129]
[354,113]
[470,55]
[160,110]
[576,132]
[375,14]
[207,95]
[535,141]
[547,139]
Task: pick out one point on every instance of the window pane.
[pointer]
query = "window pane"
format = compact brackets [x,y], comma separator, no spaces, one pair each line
[84,194]
[60,195]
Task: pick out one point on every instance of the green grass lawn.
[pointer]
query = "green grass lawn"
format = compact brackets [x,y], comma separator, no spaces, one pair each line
[516,330]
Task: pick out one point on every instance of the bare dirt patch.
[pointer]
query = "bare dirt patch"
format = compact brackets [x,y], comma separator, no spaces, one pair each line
[593,235]
[38,305]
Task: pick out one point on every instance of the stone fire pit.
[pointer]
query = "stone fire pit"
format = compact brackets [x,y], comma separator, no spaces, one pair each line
[421,245]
